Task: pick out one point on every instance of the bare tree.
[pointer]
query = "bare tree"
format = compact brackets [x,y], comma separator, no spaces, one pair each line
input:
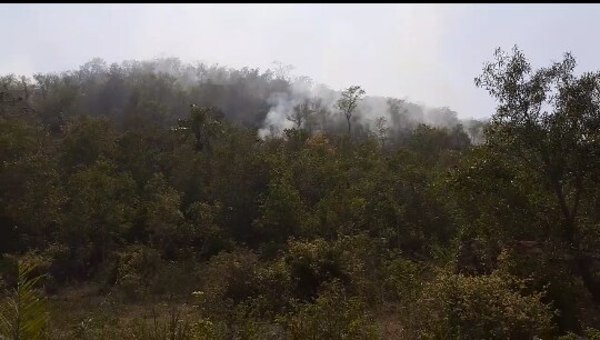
[281,70]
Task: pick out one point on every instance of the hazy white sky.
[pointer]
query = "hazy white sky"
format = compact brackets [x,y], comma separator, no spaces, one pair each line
[426,53]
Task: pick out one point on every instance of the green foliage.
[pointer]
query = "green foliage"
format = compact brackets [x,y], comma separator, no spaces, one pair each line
[231,276]
[23,313]
[589,333]
[404,279]
[480,307]
[282,210]
[348,103]
[99,211]
[547,125]
[86,141]
[136,269]
[205,125]
[239,280]
[106,181]
[334,315]
[161,215]
[207,238]
[311,264]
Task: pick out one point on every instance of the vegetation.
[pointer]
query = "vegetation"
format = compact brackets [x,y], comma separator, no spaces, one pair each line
[158,200]
[23,314]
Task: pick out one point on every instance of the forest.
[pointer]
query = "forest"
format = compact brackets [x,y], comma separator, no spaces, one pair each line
[166,200]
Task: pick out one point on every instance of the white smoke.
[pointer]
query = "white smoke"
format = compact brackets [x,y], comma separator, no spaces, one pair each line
[276,121]
[283,103]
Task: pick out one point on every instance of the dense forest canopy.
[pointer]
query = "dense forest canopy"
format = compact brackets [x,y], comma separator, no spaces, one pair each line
[165,88]
[281,209]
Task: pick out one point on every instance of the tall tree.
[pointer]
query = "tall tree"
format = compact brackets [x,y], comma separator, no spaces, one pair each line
[548,121]
[301,113]
[381,129]
[348,103]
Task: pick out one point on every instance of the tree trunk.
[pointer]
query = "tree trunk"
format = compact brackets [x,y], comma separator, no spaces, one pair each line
[349,128]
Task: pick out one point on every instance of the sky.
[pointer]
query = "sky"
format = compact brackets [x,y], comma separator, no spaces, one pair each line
[425,53]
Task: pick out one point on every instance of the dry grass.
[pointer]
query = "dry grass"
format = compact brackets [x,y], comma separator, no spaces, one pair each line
[85,309]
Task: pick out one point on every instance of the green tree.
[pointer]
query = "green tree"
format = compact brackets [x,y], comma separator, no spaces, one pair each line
[30,189]
[162,217]
[86,141]
[100,211]
[547,121]
[205,124]
[301,113]
[348,103]
[281,211]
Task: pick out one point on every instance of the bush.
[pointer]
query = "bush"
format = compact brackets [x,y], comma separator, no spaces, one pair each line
[231,276]
[480,307]
[311,264]
[589,333]
[237,277]
[404,278]
[333,316]
[137,267]
[363,259]
[548,268]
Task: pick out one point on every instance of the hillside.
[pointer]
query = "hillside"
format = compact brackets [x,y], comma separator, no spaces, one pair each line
[160,200]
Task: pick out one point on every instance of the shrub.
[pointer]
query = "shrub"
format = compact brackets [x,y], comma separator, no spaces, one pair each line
[237,277]
[137,266]
[333,316]
[589,333]
[311,264]
[231,276]
[479,307]
[403,279]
